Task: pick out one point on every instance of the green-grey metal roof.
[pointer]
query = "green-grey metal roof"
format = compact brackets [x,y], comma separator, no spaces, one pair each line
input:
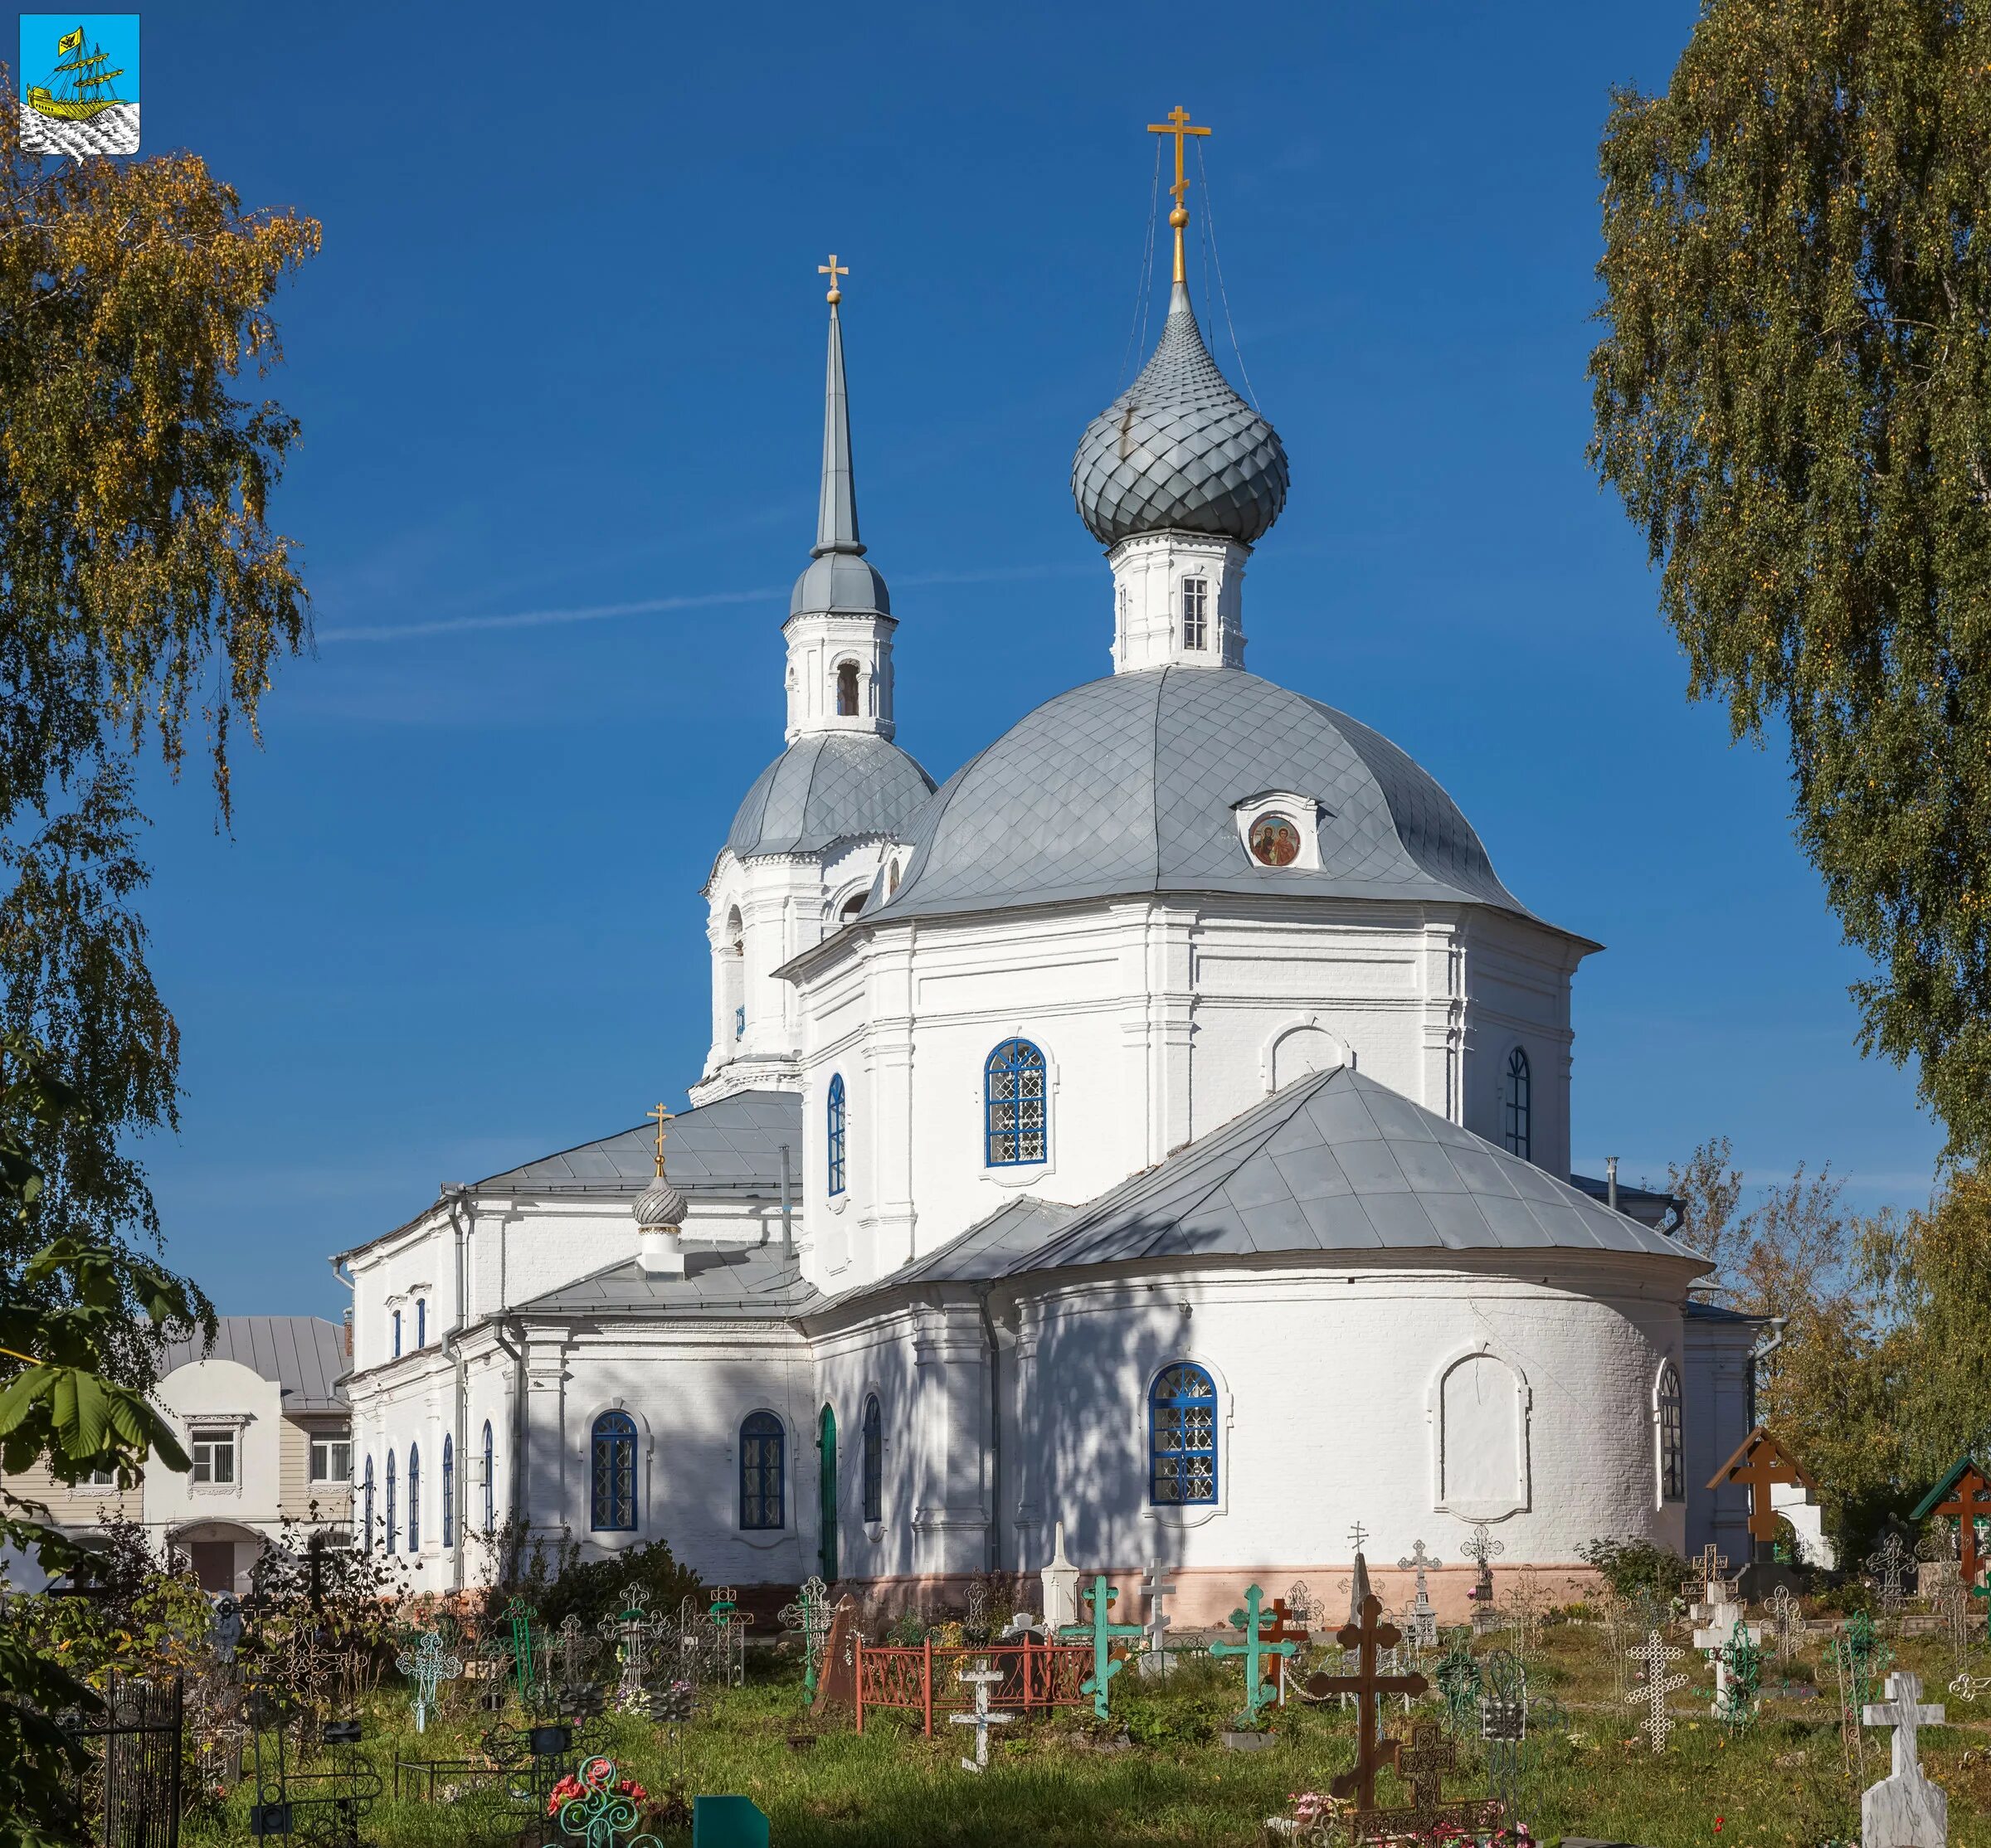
[1926,1505]
[1127,784]
[829,786]
[734,1145]
[303,1354]
[1179,449]
[724,1281]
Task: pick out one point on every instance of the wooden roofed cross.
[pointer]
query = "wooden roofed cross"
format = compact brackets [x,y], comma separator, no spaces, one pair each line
[1256,1646]
[1963,1494]
[1759,1463]
[1367,1639]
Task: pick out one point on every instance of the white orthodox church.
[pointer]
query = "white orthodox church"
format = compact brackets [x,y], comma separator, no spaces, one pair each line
[1161,1127]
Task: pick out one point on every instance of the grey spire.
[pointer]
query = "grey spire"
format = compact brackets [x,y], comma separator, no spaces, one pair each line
[838,579]
[1179,449]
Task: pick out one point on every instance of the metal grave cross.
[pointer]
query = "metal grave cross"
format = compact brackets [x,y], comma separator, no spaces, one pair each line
[1358,1537]
[1710,1571]
[810,1616]
[629,1631]
[1740,1675]
[1902,1710]
[1889,1569]
[1459,1680]
[425,1665]
[1156,1587]
[1251,1618]
[1423,1617]
[982,1678]
[729,1631]
[1482,1549]
[1422,1764]
[1654,1652]
[1368,1639]
[516,1642]
[1786,1621]
[1101,1632]
[227,1628]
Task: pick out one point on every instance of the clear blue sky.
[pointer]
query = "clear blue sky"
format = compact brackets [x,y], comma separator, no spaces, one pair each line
[560,373]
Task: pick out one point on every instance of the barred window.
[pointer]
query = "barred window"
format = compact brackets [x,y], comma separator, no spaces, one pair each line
[1182,1437]
[612,1474]
[763,1471]
[1015,1105]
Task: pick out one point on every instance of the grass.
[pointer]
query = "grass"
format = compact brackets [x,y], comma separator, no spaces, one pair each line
[1160,1776]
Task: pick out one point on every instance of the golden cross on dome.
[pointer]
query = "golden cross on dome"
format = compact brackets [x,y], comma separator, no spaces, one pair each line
[833,270]
[663,1116]
[1177,125]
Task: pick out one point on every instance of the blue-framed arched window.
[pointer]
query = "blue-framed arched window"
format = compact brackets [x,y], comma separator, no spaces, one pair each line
[763,1473]
[612,1474]
[1016,1120]
[491,1481]
[834,1124]
[449,1491]
[875,1460]
[393,1538]
[1517,1127]
[414,1498]
[366,1506]
[1182,1437]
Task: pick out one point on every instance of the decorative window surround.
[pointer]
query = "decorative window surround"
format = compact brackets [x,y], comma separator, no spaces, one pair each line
[1304,812]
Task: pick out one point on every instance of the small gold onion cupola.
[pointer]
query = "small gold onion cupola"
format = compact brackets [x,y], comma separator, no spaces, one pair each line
[659,1214]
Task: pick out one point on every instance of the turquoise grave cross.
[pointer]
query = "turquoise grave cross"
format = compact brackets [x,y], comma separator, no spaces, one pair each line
[810,1614]
[1101,1631]
[425,1664]
[1254,1649]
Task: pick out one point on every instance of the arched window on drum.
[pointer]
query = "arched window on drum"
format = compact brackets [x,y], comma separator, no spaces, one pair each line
[1182,1437]
[1016,1120]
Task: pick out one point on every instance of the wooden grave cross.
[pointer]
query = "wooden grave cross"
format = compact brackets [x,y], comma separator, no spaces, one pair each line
[1288,1625]
[1101,1632]
[1759,1463]
[1254,1648]
[1367,1639]
[1967,1500]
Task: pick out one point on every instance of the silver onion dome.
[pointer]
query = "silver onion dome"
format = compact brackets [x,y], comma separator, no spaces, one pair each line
[661,1206]
[1179,450]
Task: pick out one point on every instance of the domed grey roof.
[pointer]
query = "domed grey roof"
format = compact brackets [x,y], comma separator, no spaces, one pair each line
[830,786]
[1128,783]
[840,581]
[1179,449]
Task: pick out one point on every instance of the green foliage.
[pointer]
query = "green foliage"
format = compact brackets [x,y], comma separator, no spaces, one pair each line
[1633,1567]
[592,1589]
[1792,397]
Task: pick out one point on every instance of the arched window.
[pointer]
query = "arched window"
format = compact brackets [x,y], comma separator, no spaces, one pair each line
[393,1537]
[421,1321]
[414,1498]
[612,1479]
[1182,1437]
[875,1460]
[1672,1445]
[397,1335]
[835,1127]
[449,1491]
[1195,612]
[763,1473]
[1518,1131]
[366,1506]
[846,689]
[1016,1111]
[852,906]
[491,1481]
[733,976]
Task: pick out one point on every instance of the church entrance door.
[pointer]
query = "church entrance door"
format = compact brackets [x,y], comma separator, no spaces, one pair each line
[825,1445]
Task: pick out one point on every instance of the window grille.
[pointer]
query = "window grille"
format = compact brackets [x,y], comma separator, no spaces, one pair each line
[1195,612]
[1015,1107]
[763,1471]
[1518,1127]
[835,1127]
[612,1495]
[1182,1437]
[875,1460]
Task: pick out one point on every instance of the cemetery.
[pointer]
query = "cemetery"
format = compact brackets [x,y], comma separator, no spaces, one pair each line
[1654,1705]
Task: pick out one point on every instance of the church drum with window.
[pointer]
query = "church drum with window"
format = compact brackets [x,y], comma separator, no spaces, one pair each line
[1162,1125]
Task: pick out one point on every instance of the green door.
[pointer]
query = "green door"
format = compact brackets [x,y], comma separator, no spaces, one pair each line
[825,1446]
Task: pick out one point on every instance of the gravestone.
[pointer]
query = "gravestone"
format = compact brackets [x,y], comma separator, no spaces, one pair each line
[1905,1810]
[982,1678]
[1059,1580]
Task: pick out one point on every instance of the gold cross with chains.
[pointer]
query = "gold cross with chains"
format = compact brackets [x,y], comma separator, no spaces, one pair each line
[663,1116]
[1177,125]
[833,270]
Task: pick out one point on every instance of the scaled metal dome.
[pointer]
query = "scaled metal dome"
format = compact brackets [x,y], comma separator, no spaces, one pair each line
[1179,449]
[661,1205]
[829,786]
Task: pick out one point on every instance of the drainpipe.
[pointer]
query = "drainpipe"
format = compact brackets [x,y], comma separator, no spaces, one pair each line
[993,1548]
[462,1220]
[504,1331]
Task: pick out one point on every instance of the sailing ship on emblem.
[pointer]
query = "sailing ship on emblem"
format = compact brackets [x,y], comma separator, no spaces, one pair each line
[81,86]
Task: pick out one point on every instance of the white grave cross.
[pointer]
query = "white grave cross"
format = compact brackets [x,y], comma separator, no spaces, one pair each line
[1158,1587]
[981,1678]
[1905,1811]
[1654,1652]
[1721,1624]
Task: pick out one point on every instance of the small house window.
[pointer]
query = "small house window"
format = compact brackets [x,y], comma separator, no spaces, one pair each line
[763,1445]
[1195,612]
[1182,1437]
[331,1460]
[612,1497]
[213,1455]
[1015,1105]
[1517,1127]
[846,689]
[835,1127]
[1672,1445]
[875,1460]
